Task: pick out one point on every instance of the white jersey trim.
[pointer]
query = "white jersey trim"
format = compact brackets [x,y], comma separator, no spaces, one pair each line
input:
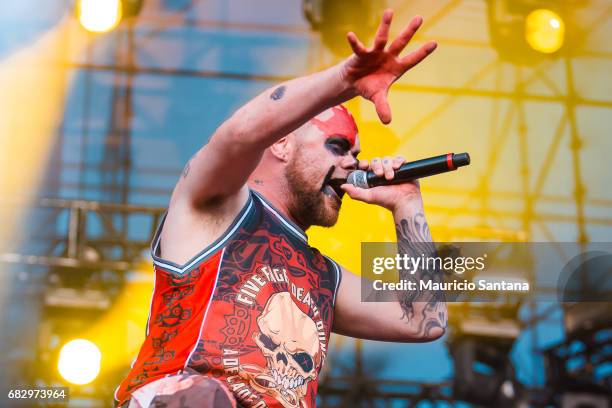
[219,243]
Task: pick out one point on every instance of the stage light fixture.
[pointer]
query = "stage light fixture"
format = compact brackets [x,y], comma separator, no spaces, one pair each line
[544,31]
[99,16]
[529,31]
[79,361]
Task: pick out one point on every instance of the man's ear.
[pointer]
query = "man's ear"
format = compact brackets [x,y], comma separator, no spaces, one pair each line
[282,148]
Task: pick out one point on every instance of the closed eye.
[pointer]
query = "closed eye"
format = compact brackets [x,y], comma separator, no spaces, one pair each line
[338,145]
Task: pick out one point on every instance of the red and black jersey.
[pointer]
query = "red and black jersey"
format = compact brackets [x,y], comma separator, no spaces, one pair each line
[254,309]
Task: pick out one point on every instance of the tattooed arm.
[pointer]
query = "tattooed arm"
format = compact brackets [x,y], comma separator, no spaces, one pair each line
[424,311]
[416,315]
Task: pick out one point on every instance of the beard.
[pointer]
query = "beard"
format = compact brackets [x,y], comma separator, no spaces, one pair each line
[309,205]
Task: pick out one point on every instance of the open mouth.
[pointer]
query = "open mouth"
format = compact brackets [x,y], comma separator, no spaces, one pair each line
[334,186]
[331,187]
[333,192]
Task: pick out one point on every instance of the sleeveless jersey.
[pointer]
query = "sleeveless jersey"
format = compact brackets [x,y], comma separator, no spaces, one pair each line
[254,310]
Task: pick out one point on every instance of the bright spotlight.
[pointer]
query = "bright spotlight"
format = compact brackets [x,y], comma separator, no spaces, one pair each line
[99,16]
[79,361]
[544,31]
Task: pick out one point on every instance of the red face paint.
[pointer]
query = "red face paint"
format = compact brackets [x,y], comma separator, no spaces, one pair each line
[337,122]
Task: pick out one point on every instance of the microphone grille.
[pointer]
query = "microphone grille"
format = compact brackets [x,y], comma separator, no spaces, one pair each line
[358,178]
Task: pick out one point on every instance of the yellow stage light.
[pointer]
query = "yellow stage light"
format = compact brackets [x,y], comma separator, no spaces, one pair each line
[99,16]
[79,361]
[544,31]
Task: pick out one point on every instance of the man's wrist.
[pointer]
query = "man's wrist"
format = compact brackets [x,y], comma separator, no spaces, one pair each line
[347,84]
[410,202]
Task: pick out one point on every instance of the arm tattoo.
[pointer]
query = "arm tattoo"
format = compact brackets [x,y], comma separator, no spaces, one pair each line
[278,93]
[414,240]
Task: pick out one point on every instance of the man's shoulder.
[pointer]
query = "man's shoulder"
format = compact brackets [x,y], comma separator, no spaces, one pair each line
[186,230]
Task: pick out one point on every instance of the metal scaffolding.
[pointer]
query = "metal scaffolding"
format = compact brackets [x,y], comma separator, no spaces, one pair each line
[113,245]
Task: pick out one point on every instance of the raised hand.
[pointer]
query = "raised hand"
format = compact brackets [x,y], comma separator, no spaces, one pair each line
[371,71]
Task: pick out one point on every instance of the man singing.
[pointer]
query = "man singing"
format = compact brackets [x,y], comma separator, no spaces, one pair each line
[243,307]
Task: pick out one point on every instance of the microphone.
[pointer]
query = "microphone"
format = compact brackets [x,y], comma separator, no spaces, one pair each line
[410,171]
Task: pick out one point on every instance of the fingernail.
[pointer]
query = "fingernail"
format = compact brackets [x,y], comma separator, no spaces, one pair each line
[431,46]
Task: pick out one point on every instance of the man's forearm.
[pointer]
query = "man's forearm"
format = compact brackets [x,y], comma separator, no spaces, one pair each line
[280,110]
[424,310]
